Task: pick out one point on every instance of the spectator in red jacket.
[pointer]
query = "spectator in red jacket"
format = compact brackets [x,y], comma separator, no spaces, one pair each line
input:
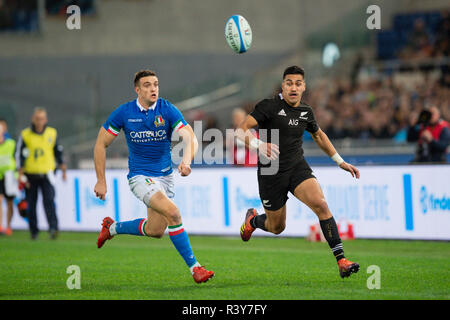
[433,136]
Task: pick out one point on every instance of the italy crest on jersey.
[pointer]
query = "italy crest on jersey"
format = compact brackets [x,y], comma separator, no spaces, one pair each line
[159,121]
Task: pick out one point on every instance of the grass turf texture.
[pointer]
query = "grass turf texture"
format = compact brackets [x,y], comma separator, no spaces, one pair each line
[130,267]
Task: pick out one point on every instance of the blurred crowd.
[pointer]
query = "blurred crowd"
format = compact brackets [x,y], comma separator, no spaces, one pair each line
[18,15]
[60,6]
[374,108]
[385,106]
[415,36]
[425,41]
[22,15]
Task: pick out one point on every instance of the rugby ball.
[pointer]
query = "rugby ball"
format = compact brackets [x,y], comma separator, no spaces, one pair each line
[238,34]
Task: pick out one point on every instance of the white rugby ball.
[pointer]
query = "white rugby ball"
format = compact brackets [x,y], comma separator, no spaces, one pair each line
[238,34]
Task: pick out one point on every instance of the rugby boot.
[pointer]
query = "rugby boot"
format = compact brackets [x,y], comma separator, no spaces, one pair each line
[346,267]
[246,228]
[53,234]
[200,274]
[104,233]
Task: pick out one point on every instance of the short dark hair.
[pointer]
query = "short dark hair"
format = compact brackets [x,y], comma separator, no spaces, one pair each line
[142,74]
[293,70]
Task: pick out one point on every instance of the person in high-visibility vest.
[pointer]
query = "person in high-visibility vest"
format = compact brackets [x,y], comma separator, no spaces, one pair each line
[7,177]
[40,153]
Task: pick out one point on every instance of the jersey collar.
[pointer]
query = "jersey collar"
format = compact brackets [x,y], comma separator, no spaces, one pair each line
[152,107]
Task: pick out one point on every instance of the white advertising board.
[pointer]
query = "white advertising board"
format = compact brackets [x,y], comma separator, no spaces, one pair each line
[397,202]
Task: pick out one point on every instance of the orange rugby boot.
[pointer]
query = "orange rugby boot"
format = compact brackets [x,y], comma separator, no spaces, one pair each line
[246,228]
[346,267]
[200,274]
[104,233]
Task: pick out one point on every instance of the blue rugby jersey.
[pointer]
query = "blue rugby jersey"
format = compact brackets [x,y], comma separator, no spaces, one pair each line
[148,134]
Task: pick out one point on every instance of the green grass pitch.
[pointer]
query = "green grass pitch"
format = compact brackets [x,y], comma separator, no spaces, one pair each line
[278,268]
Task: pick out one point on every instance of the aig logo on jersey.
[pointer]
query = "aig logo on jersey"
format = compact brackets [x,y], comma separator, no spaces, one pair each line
[159,121]
[293,122]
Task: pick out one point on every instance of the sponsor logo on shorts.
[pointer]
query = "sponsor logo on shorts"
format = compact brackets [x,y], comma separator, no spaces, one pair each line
[266,203]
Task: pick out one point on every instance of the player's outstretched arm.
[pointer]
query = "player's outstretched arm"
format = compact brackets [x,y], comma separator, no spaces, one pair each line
[325,144]
[104,139]
[243,133]
[190,149]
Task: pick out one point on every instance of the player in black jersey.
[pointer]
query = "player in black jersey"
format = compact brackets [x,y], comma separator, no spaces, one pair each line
[288,117]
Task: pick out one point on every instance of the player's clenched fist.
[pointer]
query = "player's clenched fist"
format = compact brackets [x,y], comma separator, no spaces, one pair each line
[100,190]
[184,169]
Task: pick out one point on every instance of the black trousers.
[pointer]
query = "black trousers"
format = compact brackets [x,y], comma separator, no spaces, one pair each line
[48,194]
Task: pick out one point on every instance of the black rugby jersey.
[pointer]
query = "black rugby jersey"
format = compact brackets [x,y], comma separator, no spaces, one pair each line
[291,122]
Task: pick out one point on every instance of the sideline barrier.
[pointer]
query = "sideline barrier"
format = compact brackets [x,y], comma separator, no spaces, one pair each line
[397,202]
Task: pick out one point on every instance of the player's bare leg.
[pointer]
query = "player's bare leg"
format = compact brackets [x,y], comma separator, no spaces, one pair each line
[167,208]
[9,214]
[310,193]
[7,230]
[276,220]
[156,225]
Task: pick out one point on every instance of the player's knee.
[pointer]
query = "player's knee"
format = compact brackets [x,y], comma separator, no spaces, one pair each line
[173,215]
[320,207]
[154,233]
[278,228]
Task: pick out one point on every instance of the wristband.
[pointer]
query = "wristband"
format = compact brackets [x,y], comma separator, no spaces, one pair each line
[337,158]
[255,143]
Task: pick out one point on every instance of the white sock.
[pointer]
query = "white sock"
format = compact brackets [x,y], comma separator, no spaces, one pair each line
[112,229]
[195,265]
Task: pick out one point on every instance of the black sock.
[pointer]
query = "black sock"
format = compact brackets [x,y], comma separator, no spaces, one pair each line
[259,222]
[331,233]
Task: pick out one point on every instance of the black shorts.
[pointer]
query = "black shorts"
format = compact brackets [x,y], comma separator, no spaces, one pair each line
[273,189]
[3,191]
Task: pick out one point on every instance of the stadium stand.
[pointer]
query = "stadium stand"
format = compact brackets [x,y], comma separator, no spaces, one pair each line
[367,100]
[415,35]
[18,16]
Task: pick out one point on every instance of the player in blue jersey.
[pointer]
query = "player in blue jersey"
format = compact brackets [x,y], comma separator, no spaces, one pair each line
[148,123]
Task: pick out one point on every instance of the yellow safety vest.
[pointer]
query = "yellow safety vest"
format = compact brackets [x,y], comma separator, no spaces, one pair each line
[7,161]
[40,156]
